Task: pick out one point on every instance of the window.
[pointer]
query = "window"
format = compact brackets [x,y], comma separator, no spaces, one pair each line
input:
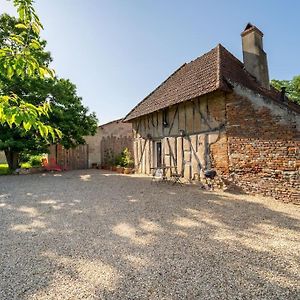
[166,117]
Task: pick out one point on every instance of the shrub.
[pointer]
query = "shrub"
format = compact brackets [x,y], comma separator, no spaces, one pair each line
[31,161]
[109,157]
[128,159]
[124,159]
[35,161]
[119,161]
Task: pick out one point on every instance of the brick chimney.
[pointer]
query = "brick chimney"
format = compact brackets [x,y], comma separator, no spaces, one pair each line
[255,58]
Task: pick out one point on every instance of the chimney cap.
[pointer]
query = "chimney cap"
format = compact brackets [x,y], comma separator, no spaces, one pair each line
[249,28]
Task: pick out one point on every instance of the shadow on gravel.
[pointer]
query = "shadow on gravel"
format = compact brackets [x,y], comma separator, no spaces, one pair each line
[101,235]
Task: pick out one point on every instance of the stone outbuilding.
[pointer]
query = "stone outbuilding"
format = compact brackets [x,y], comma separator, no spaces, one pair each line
[219,113]
[110,140]
[101,149]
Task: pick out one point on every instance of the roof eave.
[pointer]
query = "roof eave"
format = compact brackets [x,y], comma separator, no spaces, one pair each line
[224,87]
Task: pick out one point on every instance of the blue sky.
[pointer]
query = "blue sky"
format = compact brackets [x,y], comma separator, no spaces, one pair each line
[118,51]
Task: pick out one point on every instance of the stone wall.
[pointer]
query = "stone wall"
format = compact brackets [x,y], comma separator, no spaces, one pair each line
[263,145]
[94,148]
[115,137]
[112,137]
[110,140]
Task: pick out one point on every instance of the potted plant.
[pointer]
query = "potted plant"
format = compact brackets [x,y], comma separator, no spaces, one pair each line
[128,169]
[120,169]
[128,161]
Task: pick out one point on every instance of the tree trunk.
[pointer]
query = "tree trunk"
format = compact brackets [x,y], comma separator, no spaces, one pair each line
[12,158]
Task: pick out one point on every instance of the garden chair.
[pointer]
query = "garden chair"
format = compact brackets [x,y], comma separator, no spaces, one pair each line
[176,177]
[158,175]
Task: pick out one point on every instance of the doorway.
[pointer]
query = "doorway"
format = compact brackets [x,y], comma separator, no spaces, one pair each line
[157,154]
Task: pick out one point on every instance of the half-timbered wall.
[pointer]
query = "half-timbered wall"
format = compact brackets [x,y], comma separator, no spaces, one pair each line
[192,140]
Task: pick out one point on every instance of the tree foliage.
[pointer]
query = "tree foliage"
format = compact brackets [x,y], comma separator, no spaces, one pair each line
[17,60]
[292,87]
[67,113]
[59,109]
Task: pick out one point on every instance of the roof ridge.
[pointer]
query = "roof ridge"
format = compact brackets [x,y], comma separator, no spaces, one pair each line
[203,55]
[117,120]
[221,83]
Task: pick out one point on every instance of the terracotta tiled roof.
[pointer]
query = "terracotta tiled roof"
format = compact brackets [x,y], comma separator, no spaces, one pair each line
[213,71]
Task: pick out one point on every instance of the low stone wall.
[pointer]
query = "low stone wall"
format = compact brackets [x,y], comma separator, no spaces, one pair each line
[285,189]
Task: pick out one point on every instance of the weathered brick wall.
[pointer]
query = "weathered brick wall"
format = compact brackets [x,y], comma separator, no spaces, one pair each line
[219,155]
[263,145]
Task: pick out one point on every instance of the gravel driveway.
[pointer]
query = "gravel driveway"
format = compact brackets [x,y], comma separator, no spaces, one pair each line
[97,235]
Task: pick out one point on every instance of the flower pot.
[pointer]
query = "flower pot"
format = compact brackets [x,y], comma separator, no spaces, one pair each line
[127,170]
[114,168]
[120,170]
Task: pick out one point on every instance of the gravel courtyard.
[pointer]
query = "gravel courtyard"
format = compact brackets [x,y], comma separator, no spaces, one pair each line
[96,235]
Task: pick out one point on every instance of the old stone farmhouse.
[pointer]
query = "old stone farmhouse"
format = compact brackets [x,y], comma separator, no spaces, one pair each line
[217,112]
[101,149]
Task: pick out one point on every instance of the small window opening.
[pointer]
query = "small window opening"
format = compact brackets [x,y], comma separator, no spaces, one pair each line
[166,117]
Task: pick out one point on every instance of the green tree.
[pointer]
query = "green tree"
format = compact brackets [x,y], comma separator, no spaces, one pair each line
[292,87]
[67,111]
[69,114]
[17,61]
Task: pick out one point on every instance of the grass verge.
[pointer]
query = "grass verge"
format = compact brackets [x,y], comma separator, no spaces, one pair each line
[4,170]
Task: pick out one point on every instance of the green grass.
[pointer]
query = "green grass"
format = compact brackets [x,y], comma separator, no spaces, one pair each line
[34,161]
[4,170]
